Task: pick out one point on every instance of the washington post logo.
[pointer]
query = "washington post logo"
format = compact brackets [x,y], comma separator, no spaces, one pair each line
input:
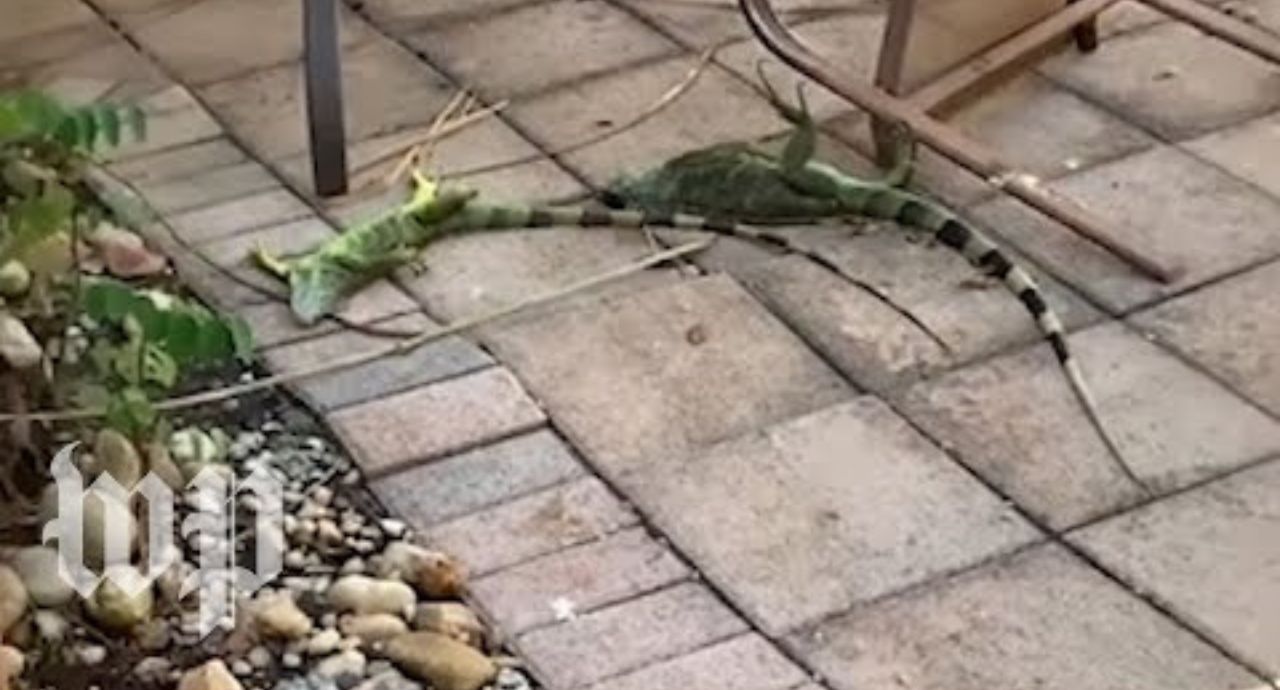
[211,528]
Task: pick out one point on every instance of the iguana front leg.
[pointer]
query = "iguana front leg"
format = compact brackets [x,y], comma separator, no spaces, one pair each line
[802,143]
[271,264]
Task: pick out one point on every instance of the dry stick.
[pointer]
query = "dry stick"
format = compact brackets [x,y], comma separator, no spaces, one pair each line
[430,136]
[664,101]
[459,109]
[401,348]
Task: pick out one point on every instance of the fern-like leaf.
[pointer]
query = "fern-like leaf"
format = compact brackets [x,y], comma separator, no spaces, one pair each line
[31,115]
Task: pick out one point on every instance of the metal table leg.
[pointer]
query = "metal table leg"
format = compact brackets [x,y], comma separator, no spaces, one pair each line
[324,97]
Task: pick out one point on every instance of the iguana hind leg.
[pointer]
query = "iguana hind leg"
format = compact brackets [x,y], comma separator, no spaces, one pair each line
[802,144]
[803,141]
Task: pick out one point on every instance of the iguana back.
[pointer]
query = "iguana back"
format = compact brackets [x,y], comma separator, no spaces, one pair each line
[724,181]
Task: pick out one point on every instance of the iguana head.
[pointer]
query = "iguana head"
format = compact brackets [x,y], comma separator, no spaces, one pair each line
[433,202]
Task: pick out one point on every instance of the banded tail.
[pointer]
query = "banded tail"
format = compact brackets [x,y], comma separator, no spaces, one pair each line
[875,201]
[983,253]
[479,216]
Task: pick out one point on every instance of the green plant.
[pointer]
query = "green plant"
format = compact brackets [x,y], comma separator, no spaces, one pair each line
[131,344]
[143,342]
[43,148]
[32,118]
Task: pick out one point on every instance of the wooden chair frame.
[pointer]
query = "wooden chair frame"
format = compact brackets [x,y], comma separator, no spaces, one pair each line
[918,110]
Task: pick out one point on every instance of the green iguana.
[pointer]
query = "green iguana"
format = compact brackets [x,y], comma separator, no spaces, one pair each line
[737,181]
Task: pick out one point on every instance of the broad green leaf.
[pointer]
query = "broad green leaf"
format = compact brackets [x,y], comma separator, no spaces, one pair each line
[153,322]
[182,335]
[109,301]
[214,343]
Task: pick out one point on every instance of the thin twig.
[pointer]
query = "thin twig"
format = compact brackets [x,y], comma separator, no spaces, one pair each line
[430,137]
[664,101]
[397,349]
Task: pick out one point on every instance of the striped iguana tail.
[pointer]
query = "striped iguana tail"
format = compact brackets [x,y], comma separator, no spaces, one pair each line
[481,216]
[871,199]
[910,210]
[876,201]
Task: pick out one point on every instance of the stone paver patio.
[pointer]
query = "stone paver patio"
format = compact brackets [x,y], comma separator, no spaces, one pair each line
[751,476]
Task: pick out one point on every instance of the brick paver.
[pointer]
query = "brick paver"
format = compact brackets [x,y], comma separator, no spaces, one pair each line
[180,162]
[1246,151]
[646,379]
[444,358]
[462,484]
[1232,328]
[1015,421]
[629,636]
[274,324]
[704,24]
[41,16]
[29,52]
[1166,203]
[208,223]
[567,115]
[434,420]
[577,580]
[406,16]
[852,41]
[525,528]
[173,196]
[205,42]
[1211,554]
[384,87]
[807,518]
[1042,620]
[936,285]
[469,275]
[1170,79]
[483,144]
[747,662]
[546,44]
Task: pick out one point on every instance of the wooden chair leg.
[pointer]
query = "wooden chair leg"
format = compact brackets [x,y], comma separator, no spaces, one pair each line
[1086,33]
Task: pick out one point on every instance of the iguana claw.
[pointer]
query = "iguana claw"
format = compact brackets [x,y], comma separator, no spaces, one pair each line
[271,264]
[903,156]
